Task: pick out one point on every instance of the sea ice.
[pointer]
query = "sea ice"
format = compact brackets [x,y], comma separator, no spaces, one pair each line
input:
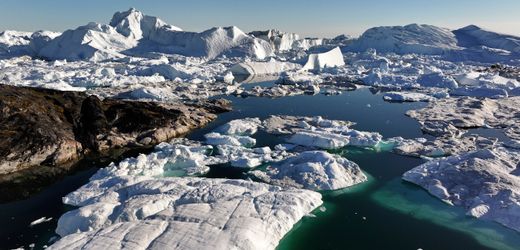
[188,213]
[484,182]
[314,170]
[407,97]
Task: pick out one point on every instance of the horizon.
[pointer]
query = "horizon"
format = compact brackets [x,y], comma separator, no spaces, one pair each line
[340,20]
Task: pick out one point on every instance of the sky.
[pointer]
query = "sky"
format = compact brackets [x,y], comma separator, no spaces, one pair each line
[318,18]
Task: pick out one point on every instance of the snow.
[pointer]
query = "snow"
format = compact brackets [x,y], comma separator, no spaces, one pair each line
[315,170]
[332,58]
[484,182]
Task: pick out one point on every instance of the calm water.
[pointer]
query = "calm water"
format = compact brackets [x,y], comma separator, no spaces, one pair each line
[382,213]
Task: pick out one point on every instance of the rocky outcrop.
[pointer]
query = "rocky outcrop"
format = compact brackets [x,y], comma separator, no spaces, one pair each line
[52,128]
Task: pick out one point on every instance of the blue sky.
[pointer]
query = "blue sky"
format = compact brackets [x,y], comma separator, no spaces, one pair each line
[309,18]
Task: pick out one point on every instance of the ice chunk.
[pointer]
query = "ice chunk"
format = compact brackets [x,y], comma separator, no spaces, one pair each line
[316,170]
[329,59]
[320,139]
[407,97]
[247,126]
[40,221]
[233,140]
[179,158]
[437,79]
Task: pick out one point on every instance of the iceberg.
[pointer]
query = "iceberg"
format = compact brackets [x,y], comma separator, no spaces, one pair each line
[280,41]
[329,59]
[314,170]
[413,38]
[437,79]
[95,42]
[484,182]
[187,213]
[135,25]
[474,36]
[246,126]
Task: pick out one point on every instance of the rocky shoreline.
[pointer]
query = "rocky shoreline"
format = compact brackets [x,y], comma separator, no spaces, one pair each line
[47,133]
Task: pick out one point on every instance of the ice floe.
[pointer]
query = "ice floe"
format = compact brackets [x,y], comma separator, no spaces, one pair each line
[314,170]
[188,213]
[484,182]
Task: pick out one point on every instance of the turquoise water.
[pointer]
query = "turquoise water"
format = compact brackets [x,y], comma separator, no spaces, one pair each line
[383,213]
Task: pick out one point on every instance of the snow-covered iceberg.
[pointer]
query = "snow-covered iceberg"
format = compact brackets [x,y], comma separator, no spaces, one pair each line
[314,170]
[413,38]
[485,182]
[185,213]
[474,36]
[96,42]
[329,59]
[133,33]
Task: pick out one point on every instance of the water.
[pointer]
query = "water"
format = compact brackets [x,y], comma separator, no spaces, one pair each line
[381,213]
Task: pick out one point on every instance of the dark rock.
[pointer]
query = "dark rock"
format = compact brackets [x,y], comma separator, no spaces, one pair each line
[56,129]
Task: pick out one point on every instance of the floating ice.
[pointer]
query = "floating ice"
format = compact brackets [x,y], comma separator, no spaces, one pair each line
[40,221]
[190,213]
[329,59]
[485,182]
[315,170]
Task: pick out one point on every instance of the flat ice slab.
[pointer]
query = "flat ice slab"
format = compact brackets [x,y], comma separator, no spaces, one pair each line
[183,213]
[485,182]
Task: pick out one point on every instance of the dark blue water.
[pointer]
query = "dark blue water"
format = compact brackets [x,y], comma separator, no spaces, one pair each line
[384,213]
